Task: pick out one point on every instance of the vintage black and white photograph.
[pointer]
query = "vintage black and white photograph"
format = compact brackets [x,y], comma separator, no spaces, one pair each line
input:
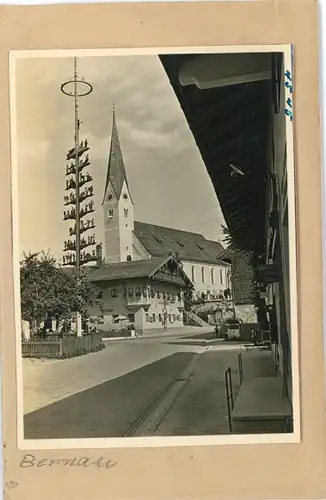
[155,245]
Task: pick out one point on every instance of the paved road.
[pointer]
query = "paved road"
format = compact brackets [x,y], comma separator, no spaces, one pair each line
[103,394]
[109,409]
[46,382]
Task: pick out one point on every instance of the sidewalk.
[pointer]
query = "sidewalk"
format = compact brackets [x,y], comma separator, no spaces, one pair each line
[201,407]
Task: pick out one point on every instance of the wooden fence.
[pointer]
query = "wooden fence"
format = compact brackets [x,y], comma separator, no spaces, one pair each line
[65,347]
[41,349]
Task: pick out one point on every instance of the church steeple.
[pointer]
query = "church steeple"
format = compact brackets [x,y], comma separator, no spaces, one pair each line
[118,208]
[116,174]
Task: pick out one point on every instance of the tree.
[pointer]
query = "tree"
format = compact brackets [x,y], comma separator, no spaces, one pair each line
[255,263]
[51,291]
[227,236]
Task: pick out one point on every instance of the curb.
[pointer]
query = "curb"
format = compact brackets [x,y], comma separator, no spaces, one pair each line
[151,423]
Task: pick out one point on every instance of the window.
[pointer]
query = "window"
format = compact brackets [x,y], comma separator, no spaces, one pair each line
[129,258]
[213,276]
[203,274]
[131,318]
[130,292]
[114,292]
[160,318]
[147,318]
[193,274]
[153,318]
[110,214]
[126,212]
[138,292]
[221,276]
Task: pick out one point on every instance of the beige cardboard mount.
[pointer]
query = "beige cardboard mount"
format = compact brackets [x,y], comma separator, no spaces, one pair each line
[288,470]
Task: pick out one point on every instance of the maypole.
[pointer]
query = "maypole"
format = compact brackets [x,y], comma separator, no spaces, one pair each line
[78,190]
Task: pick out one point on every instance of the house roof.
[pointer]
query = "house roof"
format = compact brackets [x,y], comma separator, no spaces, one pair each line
[159,241]
[230,125]
[124,270]
[116,174]
[128,270]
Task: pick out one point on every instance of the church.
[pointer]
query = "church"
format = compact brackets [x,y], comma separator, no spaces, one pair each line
[146,270]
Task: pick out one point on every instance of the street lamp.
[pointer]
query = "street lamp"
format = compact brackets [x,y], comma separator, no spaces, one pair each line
[75,200]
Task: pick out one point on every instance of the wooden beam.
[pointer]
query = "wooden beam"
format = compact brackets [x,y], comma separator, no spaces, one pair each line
[218,70]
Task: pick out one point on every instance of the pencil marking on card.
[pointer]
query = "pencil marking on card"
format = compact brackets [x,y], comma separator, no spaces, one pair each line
[30,461]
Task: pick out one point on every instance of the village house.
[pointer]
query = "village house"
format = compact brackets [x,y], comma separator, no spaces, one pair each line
[150,293]
[239,115]
[135,251]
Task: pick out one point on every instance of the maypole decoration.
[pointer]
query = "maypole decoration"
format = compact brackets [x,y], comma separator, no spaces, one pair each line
[78,199]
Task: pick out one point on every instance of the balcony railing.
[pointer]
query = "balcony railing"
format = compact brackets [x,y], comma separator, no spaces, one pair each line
[138,301]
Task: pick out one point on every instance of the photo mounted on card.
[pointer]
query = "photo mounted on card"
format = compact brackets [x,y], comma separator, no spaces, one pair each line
[158,301]
[156,246]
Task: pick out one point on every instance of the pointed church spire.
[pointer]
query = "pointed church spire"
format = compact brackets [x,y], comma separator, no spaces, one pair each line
[116,174]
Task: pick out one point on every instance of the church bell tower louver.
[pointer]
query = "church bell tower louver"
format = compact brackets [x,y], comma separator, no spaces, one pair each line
[117,204]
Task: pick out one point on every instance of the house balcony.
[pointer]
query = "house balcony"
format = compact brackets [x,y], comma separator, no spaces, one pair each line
[138,302]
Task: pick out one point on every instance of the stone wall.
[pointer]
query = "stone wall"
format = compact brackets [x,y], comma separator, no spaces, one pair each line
[242,277]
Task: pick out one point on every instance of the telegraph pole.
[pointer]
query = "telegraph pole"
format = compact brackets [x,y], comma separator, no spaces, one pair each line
[80,88]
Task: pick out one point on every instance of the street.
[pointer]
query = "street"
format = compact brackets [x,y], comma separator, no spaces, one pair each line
[115,392]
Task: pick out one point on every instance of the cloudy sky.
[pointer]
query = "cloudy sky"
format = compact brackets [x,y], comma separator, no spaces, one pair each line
[167,177]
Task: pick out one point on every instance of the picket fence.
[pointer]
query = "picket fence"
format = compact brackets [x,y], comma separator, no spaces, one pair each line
[66,347]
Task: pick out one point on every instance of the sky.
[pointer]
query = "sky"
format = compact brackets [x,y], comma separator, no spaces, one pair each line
[167,177]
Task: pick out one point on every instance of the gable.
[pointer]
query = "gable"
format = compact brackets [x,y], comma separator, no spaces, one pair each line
[125,191]
[171,272]
[110,191]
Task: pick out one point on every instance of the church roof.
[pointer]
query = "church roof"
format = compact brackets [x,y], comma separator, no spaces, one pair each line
[128,270]
[116,174]
[159,241]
